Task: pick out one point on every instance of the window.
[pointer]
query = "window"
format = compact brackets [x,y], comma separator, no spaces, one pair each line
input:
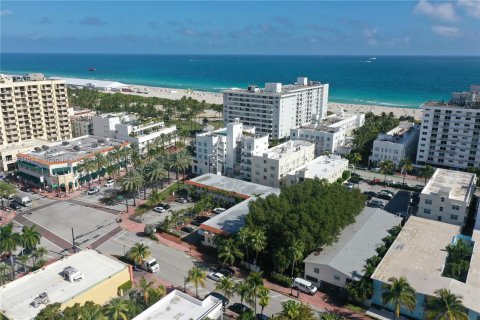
[316,270]
[454,217]
[428,201]
[427,211]
[441,209]
[336,277]
[442,199]
[455,207]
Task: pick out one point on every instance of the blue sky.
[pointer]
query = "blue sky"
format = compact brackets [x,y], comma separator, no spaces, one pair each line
[424,27]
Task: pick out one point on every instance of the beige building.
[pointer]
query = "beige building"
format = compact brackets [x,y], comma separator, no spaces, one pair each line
[8,153]
[33,109]
[271,167]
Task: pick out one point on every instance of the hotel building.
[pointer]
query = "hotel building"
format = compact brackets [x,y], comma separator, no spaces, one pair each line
[329,168]
[276,108]
[450,132]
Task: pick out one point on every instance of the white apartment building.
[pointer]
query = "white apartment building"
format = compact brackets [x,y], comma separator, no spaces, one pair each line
[329,168]
[130,128]
[33,109]
[271,167]
[399,143]
[276,108]
[330,133]
[449,134]
[228,151]
[447,196]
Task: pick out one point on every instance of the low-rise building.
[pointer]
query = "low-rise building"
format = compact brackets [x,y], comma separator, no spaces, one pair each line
[82,123]
[418,254]
[329,134]
[329,168]
[85,276]
[8,153]
[447,196]
[332,267]
[399,143]
[54,165]
[180,306]
[271,167]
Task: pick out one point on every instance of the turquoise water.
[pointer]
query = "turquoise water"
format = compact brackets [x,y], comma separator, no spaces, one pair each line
[386,80]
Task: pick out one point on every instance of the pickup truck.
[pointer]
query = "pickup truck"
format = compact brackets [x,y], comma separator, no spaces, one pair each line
[150,264]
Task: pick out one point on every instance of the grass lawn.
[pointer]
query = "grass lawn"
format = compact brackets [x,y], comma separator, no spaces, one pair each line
[217,124]
[188,126]
[172,188]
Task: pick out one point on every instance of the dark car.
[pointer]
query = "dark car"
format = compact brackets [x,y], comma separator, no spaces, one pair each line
[376,204]
[239,308]
[188,229]
[355,175]
[226,271]
[384,196]
[164,205]
[15,205]
[220,297]
[261,316]
[370,194]
[199,220]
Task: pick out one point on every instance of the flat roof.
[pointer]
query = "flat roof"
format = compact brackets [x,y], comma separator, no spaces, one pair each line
[180,306]
[231,220]
[356,243]
[286,88]
[59,152]
[32,143]
[457,185]
[418,254]
[16,297]
[320,166]
[240,187]
[288,147]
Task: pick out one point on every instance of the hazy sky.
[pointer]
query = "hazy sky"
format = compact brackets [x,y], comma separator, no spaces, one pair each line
[243,27]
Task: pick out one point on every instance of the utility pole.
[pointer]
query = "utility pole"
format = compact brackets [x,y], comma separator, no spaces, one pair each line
[73,242]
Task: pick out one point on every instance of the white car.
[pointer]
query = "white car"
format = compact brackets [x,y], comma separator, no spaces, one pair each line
[93,190]
[109,183]
[218,210]
[159,209]
[215,276]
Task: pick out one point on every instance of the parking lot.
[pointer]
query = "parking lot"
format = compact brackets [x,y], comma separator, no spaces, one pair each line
[398,204]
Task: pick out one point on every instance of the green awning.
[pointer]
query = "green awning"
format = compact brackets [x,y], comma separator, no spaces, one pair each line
[54,186]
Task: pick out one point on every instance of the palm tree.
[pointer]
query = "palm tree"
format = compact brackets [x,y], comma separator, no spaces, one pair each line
[146,286]
[255,281]
[4,269]
[446,306]
[138,253]
[100,161]
[117,309]
[331,316]
[427,172]
[8,243]
[226,286]
[92,311]
[30,237]
[110,170]
[407,166]
[155,197]
[244,290]
[258,242]
[386,167]
[23,259]
[228,251]
[131,183]
[88,166]
[296,253]
[197,277]
[291,309]
[156,172]
[356,158]
[263,297]
[38,255]
[399,293]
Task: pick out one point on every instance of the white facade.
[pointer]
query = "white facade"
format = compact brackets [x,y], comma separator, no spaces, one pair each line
[271,167]
[447,196]
[397,144]
[228,151]
[450,132]
[329,168]
[277,108]
[330,133]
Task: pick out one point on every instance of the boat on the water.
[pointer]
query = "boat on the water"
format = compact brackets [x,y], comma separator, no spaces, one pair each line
[373,58]
[92,69]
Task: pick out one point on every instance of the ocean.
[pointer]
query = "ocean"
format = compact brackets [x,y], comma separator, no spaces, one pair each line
[395,81]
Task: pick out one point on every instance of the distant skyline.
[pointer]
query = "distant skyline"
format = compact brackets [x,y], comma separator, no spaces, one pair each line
[242,27]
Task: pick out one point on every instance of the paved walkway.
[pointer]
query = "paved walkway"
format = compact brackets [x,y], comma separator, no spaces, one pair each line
[97,243]
[94,206]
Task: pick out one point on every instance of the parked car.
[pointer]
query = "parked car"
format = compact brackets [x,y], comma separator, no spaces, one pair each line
[355,175]
[261,316]
[304,286]
[181,200]
[215,276]
[348,185]
[388,191]
[376,169]
[239,308]
[188,229]
[199,220]
[93,190]
[376,181]
[384,195]
[226,271]
[221,297]
[370,194]
[355,180]
[110,183]
[164,205]
[375,204]
[402,214]
[219,210]
[159,209]
[15,205]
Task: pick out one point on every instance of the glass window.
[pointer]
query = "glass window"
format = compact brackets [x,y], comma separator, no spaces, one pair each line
[316,270]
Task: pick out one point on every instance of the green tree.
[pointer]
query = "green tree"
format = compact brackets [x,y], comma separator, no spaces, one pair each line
[138,253]
[30,237]
[263,297]
[258,242]
[356,158]
[427,173]
[291,309]
[228,251]
[154,198]
[399,293]
[406,166]
[255,281]
[146,286]
[226,286]
[38,255]
[156,172]
[4,270]
[244,290]
[197,277]
[446,306]
[92,311]
[116,309]
[100,161]
[386,167]
[7,189]
[23,259]
[9,241]
[52,311]
[131,182]
[296,253]
[331,316]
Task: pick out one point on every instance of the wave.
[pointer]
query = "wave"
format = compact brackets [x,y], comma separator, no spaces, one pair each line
[387,104]
[193,60]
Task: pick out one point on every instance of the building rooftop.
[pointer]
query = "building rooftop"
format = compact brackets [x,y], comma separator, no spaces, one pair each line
[71,150]
[278,89]
[456,185]
[23,144]
[17,296]
[333,122]
[242,188]
[419,255]
[356,243]
[288,147]
[231,220]
[400,134]
[320,166]
[180,306]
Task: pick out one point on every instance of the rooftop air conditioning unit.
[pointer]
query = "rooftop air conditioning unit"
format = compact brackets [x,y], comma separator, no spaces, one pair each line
[72,275]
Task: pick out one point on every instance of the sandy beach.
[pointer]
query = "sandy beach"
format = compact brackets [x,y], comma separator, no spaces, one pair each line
[216,97]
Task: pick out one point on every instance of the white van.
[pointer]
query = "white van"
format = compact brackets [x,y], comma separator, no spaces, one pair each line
[304,286]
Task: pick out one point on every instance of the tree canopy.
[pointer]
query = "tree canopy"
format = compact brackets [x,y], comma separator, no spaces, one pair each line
[312,213]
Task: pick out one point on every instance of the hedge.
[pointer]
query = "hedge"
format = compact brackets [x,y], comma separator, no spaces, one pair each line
[126,286]
[281,279]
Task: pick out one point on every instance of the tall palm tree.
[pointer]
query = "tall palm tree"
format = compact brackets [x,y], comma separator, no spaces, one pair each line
[30,237]
[244,290]
[356,158]
[4,269]
[258,242]
[228,251]
[100,162]
[23,259]
[156,172]
[38,255]
[291,309]
[92,311]
[117,309]
[446,306]
[386,167]
[131,183]
[116,154]
[88,165]
[406,166]
[155,198]
[255,281]
[146,286]
[138,253]
[197,277]
[226,286]
[331,316]
[398,293]
[427,172]
[141,168]
[263,297]
[110,170]
[9,241]
[296,253]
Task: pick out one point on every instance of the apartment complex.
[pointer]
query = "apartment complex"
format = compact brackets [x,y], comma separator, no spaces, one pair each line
[228,151]
[447,196]
[399,143]
[271,167]
[33,109]
[450,132]
[418,254]
[129,127]
[329,133]
[329,168]
[277,108]
[82,123]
